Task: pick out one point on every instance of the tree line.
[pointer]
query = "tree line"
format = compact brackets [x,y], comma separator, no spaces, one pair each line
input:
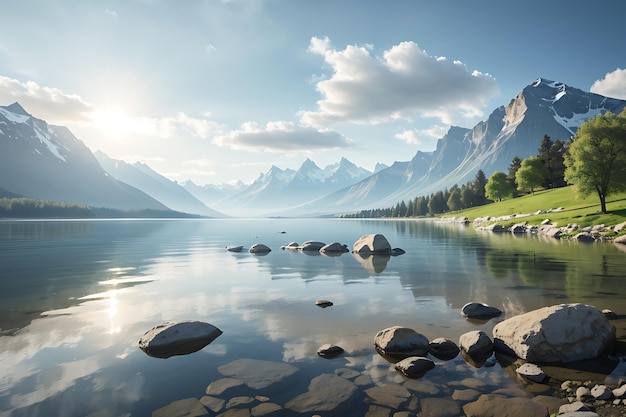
[546,170]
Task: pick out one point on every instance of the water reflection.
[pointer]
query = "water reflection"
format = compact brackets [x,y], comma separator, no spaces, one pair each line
[96,287]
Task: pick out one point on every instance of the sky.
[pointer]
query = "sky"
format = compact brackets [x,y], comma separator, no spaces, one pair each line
[217,91]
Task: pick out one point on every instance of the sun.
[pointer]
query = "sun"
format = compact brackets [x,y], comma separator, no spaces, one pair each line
[114,120]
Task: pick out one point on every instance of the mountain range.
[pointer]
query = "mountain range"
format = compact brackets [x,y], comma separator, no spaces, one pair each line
[43,161]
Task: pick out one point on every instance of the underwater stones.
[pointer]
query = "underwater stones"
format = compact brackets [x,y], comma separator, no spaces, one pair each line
[326,392]
[258,374]
[188,407]
[177,338]
[491,405]
[391,395]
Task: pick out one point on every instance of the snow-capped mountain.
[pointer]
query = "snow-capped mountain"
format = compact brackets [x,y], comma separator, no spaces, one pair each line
[209,194]
[170,193]
[42,161]
[280,189]
[544,107]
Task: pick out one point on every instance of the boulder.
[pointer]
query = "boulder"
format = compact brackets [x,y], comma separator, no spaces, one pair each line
[619,227]
[479,311]
[374,244]
[476,343]
[234,248]
[323,303]
[620,240]
[442,348]
[414,366]
[560,333]
[403,341]
[259,248]
[334,247]
[177,338]
[531,372]
[312,245]
[519,228]
[585,237]
[329,351]
[291,246]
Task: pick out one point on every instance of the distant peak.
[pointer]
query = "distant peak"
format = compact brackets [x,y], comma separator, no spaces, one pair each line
[546,82]
[17,109]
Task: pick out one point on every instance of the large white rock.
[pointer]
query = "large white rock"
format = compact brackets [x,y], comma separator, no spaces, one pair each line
[178,338]
[560,333]
[398,340]
[374,243]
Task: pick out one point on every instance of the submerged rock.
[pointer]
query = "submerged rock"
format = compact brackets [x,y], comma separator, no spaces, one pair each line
[258,374]
[234,248]
[191,407]
[177,338]
[326,393]
[532,372]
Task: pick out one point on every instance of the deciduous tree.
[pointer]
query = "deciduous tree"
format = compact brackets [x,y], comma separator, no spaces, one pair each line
[498,187]
[596,159]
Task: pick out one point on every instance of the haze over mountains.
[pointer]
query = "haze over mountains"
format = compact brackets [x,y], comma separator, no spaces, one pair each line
[42,161]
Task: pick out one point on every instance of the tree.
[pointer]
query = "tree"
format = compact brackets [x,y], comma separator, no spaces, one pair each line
[454,201]
[551,155]
[596,159]
[531,175]
[516,163]
[479,187]
[498,187]
[437,204]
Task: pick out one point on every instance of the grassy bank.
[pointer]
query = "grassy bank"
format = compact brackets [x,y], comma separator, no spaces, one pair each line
[585,212]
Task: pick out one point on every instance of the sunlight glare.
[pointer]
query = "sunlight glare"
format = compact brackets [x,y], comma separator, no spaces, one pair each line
[114,120]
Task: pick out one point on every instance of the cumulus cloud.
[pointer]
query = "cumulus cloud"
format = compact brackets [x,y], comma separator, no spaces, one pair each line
[419,136]
[404,82]
[612,85]
[282,137]
[50,104]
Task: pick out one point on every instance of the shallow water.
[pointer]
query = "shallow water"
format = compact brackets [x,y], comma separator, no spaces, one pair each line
[75,296]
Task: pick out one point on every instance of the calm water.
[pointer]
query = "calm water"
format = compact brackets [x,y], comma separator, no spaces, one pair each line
[75,296]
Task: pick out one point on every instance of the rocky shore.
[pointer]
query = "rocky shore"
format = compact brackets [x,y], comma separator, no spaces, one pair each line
[546,228]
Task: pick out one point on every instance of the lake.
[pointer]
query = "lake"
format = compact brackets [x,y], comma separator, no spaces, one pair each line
[75,297]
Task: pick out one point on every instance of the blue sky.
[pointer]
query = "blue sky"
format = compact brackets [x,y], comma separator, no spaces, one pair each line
[219,90]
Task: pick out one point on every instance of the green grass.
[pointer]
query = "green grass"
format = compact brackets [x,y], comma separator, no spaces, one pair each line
[583,211]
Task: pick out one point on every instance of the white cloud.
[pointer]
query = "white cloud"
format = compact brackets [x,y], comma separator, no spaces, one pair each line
[282,137]
[402,83]
[50,104]
[420,136]
[111,13]
[612,85]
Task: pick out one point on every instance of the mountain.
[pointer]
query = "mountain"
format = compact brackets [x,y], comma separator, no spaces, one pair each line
[544,107]
[170,193]
[42,161]
[210,194]
[280,189]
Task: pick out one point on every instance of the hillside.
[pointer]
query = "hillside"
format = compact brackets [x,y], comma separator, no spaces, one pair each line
[583,211]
